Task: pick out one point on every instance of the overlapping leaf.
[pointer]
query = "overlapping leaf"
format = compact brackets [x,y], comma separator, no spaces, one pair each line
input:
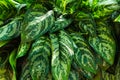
[38,26]
[62,54]
[66,6]
[11,30]
[104,44]
[25,72]
[39,59]
[86,23]
[22,50]
[74,75]
[7,9]
[101,8]
[12,60]
[60,23]
[84,55]
[83,72]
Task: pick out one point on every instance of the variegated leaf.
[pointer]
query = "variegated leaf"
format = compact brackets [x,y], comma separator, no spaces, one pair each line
[82,72]
[66,6]
[103,47]
[86,23]
[108,76]
[10,30]
[36,10]
[74,75]
[22,50]
[7,9]
[60,23]
[104,44]
[87,74]
[39,59]
[38,26]
[84,56]
[25,74]
[62,54]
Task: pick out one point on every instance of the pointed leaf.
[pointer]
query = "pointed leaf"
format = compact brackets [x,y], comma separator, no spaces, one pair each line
[62,54]
[117,19]
[22,50]
[84,56]
[104,44]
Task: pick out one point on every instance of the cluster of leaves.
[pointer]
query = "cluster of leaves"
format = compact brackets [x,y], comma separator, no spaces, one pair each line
[58,39]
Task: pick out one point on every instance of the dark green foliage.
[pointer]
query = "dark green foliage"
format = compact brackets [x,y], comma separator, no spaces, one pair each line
[58,39]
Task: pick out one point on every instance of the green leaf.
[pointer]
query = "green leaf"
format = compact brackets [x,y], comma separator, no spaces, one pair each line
[10,30]
[117,19]
[74,75]
[22,50]
[86,23]
[84,55]
[62,54]
[7,9]
[27,2]
[100,8]
[25,74]
[87,74]
[66,6]
[12,60]
[2,43]
[104,43]
[38,26]
[60,23]
[39,58]
[83,72]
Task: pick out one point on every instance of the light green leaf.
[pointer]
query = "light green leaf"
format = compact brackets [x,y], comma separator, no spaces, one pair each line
[12,60]
[117,19]
[66,6]
[22,50]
